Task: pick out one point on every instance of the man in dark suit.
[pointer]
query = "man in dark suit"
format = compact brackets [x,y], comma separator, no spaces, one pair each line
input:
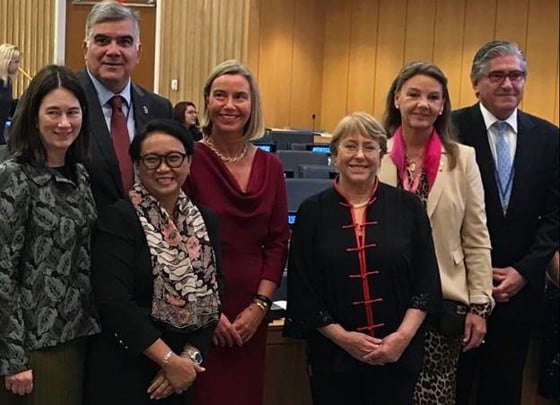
[112,49]
[517,154]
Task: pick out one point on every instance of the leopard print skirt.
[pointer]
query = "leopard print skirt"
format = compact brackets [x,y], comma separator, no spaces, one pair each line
[437,382]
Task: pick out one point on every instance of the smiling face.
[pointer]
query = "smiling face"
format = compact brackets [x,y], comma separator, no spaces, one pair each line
[501,97]
[229,104]
[357,159]
[59,121]
[164,182]
[420,102]
[112,53]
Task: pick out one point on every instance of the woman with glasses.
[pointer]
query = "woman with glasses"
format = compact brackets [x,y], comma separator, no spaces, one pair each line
[362,274]
[424,159]
[156,280]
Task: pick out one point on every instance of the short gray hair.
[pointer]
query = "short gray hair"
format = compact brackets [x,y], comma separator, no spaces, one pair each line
[492,50]
[254,128]
[360,123]
[112,11]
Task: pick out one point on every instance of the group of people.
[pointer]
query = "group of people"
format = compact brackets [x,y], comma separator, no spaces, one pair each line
[118,286]
[139,253]
[430,296]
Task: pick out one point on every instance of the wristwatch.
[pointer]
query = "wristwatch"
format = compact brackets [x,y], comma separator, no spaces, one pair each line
[194,354]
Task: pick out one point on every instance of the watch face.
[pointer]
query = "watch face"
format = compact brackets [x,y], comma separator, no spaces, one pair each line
[195,356]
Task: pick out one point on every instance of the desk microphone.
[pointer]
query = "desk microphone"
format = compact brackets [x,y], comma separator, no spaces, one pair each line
[313,120]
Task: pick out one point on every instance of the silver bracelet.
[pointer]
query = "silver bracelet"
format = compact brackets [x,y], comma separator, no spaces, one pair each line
[166,358]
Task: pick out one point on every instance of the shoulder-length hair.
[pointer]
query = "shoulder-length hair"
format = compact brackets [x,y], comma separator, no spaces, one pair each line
[25,140]
[443,125]
[179,111]
[254,128]
[7,53]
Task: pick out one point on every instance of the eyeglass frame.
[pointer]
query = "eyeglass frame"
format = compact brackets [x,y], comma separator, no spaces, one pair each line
[161,158]
[351,149]
[499,76]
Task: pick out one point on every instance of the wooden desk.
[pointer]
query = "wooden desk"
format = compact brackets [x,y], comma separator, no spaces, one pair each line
[285,378]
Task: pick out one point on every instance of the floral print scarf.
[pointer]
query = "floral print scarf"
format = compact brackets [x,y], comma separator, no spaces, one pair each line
[183,262]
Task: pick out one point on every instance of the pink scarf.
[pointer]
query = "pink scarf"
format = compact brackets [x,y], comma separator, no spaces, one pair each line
[432,156]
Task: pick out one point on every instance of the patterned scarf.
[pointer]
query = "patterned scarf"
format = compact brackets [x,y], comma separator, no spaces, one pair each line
[183,262]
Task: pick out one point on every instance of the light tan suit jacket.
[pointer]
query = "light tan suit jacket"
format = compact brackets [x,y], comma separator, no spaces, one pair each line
[455,207]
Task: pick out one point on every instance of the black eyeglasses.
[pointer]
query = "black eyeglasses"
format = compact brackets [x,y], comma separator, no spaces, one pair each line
[173,159]
[498,76]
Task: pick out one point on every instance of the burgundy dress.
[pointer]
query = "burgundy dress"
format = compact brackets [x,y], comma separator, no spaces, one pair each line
[254,235]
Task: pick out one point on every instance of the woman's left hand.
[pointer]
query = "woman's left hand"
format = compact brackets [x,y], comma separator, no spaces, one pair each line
[160,388]
[248,321]
[475,330]
[389,351]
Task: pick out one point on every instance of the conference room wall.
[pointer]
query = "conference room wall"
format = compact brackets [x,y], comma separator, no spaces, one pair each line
[323,57]
[195,36]
[29,24]
[367,41]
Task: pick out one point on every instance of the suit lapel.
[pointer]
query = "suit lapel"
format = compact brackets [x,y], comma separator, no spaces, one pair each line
[523,157]
[477,133]
[439,183]
[101,143]
[141,108]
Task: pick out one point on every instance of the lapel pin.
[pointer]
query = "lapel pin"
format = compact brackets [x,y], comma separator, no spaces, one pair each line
[145,109]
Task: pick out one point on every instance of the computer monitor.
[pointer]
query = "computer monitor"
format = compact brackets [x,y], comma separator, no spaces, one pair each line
[291,218]
[320,149]
[267,147]
[285,138]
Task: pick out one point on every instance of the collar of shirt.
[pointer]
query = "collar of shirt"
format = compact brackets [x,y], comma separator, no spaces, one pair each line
[105,94]
[490,119]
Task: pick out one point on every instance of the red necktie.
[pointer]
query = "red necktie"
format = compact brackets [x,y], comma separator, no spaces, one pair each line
[121,142]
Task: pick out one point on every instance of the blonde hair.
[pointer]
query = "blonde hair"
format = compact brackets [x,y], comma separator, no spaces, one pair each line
[254,128]
[7,53]
[359,123]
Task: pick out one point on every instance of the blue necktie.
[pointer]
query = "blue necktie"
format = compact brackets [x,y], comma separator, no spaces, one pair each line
[504,170]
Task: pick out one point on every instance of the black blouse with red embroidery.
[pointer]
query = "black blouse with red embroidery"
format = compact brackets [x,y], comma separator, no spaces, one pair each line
[363,277]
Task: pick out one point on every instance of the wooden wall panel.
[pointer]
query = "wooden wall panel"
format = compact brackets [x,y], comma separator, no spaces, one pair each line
[30,25]
[390,50]
[419,39]
[542,57]
[284,45]
[479,23]
[363,52]
[276,59]
[336,60]
[307,66]
[511,21]
[448,55]
[196,36]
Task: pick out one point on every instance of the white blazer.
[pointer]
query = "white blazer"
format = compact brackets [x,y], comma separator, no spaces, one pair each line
[457,214]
